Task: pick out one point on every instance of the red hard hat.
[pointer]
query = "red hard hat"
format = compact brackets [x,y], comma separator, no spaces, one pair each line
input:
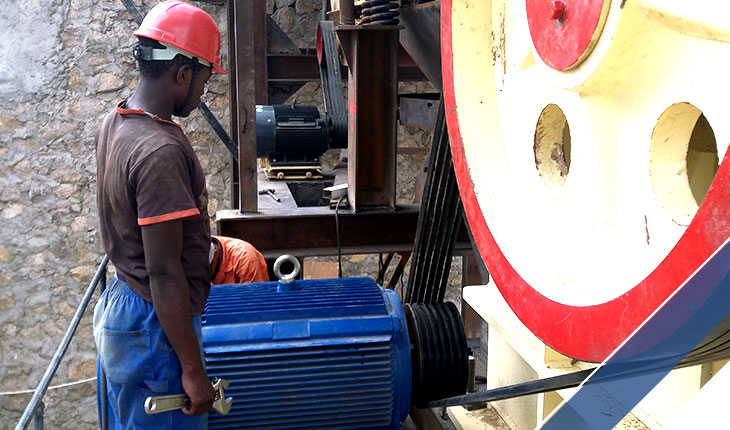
[186,27]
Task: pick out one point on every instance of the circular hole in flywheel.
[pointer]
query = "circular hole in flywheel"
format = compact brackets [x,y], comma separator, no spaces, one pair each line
[683,159]
[552,146]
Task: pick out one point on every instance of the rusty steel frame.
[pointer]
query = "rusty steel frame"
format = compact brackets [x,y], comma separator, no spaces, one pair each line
[311,231]
[421,39]
[372,54]
[377,64]
[253,68]
[291,68]
[246,22]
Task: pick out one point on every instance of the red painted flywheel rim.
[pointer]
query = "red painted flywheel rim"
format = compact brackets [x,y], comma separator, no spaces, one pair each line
[588,333]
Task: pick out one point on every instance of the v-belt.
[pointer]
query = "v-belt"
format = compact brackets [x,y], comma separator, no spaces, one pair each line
[438,222]
[618,370]
[569,380]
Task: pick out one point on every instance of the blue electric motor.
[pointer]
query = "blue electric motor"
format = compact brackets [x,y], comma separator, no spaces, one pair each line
[326,354]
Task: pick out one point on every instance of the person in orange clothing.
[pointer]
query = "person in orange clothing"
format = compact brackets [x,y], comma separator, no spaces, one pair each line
[234,261]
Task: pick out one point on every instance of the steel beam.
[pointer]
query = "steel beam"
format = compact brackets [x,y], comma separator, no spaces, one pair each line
[247,30]
[420,37]
[303,68]
[232,96]
[294,68]
[311,231]
[372,54]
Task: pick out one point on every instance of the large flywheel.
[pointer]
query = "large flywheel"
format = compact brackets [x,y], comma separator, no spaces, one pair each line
[589,139]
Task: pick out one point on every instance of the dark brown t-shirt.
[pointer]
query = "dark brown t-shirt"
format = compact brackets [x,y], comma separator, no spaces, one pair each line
[147,173]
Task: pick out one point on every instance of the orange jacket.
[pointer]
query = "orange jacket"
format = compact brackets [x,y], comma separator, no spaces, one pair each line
[239,263]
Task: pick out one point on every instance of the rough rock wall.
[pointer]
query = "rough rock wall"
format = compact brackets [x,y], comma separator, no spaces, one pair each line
[297,18]
[65,64]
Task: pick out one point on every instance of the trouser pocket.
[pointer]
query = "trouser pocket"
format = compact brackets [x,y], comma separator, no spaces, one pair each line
[124,354]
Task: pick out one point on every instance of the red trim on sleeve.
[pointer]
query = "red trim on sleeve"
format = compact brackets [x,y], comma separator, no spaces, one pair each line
[187,213]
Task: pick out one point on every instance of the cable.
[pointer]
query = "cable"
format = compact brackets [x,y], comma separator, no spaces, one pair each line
[54,387]
[337,232]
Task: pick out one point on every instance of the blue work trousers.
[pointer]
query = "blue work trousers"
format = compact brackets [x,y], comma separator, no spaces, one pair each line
[138,362]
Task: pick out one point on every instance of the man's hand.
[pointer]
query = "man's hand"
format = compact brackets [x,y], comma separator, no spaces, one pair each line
[200,391]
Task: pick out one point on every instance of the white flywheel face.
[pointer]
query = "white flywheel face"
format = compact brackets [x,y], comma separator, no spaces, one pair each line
[588,177]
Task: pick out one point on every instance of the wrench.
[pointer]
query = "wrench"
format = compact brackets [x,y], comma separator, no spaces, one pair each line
[270,191]
[159,404]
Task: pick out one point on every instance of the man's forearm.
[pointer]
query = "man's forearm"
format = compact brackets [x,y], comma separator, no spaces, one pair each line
[171,299]
[170,290]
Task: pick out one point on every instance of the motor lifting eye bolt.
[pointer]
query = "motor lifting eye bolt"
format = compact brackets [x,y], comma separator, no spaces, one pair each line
[286,280]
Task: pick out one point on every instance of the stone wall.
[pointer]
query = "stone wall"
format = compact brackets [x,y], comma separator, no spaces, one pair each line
[65,64]
[297,18]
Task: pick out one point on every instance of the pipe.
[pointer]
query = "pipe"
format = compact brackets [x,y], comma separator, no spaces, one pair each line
[104,418]
[40,391]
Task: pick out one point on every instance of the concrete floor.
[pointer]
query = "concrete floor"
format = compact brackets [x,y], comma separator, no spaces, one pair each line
[480,419]
[459,418]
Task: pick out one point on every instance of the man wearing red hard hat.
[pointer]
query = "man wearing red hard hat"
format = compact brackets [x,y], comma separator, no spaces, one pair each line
[154,226]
